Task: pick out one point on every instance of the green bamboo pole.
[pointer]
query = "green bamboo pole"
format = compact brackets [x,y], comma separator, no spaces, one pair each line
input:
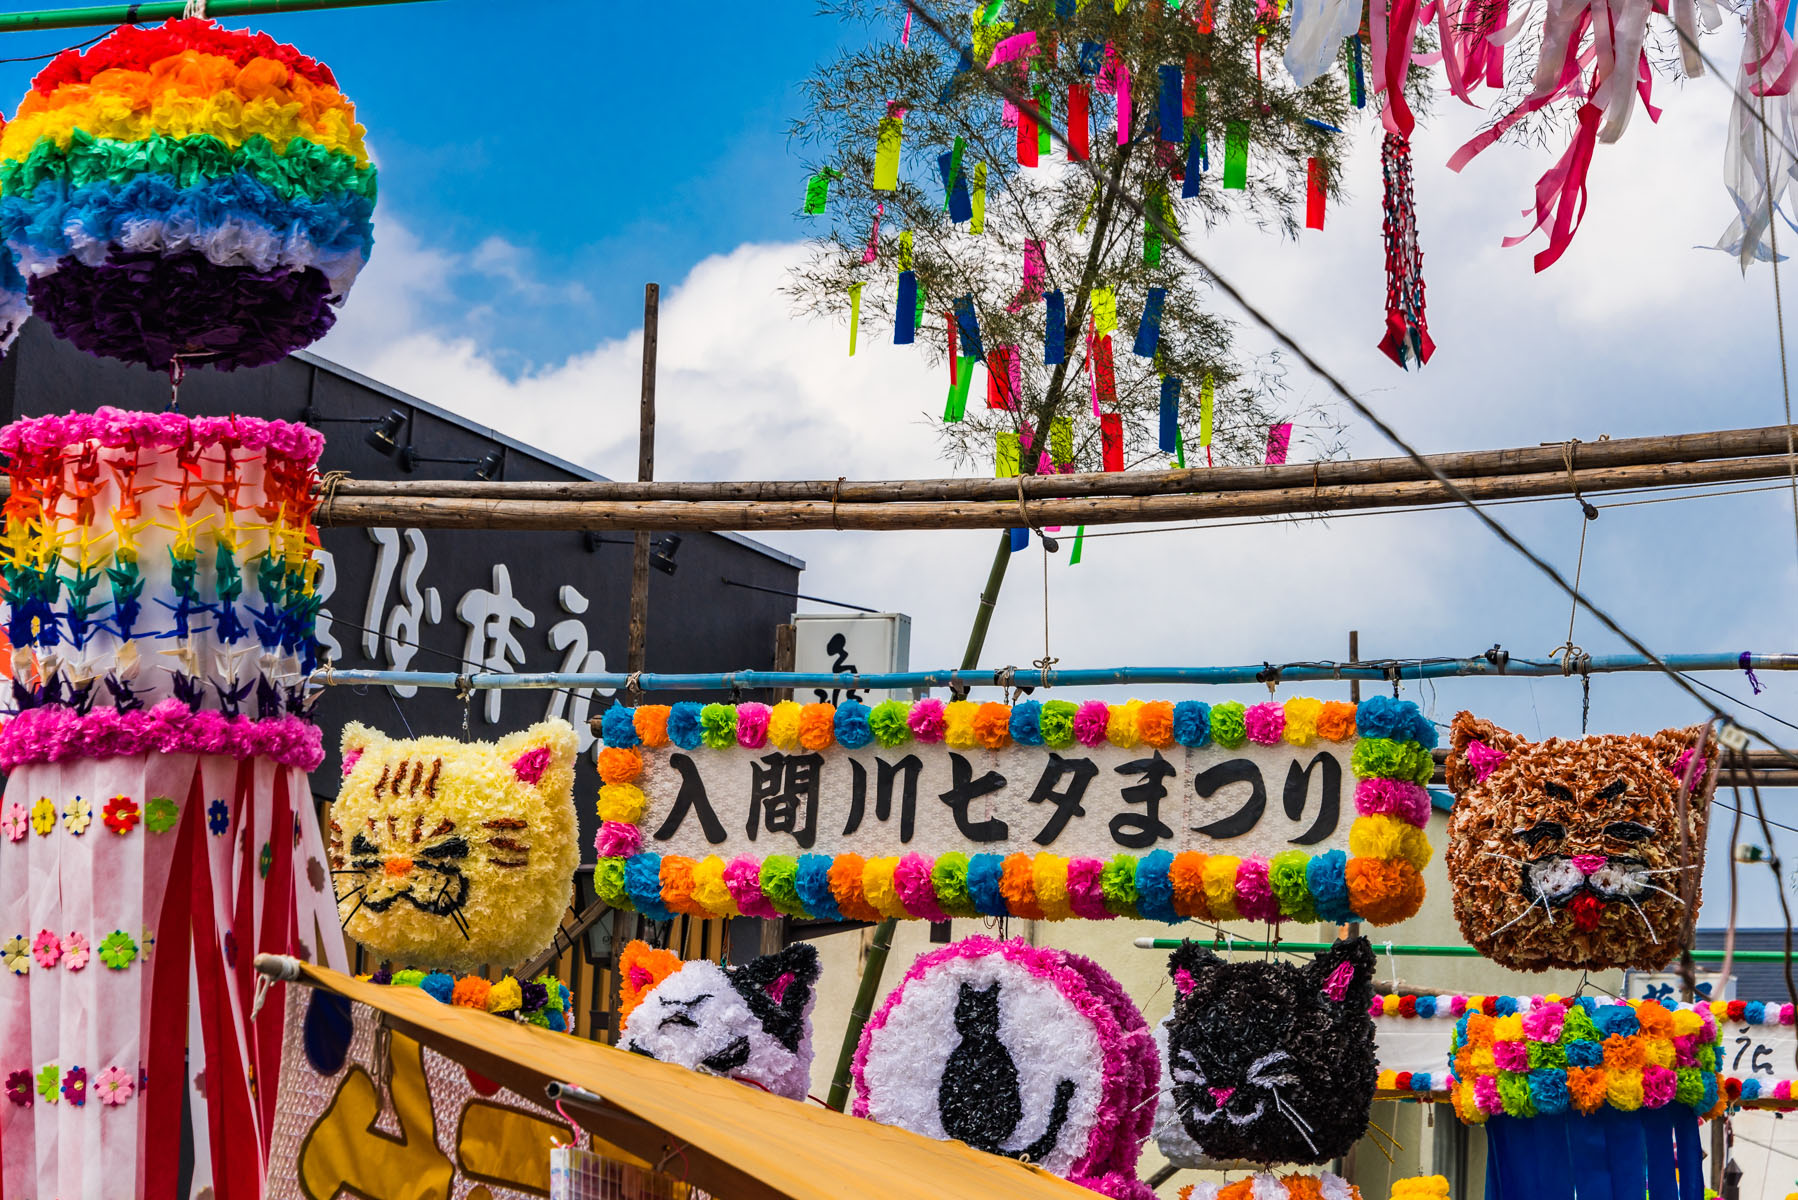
[162,10]
[1419,951]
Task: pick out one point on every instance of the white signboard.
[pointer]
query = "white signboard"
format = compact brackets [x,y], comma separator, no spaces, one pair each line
[867,644]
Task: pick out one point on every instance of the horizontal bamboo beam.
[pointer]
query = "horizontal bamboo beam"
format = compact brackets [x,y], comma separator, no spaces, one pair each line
[1622,452]
[163,10]
[431,512]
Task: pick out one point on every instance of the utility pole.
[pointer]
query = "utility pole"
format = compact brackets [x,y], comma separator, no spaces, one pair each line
[646,469]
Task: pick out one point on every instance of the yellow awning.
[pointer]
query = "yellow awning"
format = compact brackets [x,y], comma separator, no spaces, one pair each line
[736,1141]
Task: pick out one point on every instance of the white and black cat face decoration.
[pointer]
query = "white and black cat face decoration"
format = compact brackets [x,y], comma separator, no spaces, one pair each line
[750,1022]
[1016,1050]
[1267,1062]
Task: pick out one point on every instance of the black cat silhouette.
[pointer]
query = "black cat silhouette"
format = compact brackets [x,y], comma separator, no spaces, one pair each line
[1271,1062]
[979,1098]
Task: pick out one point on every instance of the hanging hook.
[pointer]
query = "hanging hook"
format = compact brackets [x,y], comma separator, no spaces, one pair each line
[465,693]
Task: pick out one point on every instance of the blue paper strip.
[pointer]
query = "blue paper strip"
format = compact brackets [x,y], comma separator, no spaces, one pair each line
[1148,330]
[962,67]
[1626,1153]
[1055,329]
[1064,9]
[1173,116]
[1195,165]
[1092,57]
[1585,1145]
[1323,125]
[905,319]
[967,325]
[961,204]
[1657,1129]
[1691,1155]
[1020,540]
[1361,79]
[1170,414]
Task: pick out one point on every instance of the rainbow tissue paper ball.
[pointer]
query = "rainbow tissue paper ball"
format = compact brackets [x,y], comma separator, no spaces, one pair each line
[186,195]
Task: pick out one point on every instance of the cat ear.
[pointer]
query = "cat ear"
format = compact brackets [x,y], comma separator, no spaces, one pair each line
[786,979]
[357,737]
[1673,750]
[1189,965]
[1476,747]
[542,755]
[1343,976]
[641,967]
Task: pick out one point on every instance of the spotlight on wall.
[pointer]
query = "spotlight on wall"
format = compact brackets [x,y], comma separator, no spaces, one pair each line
[490,466]
[662,557]
[485,467]
[385,436]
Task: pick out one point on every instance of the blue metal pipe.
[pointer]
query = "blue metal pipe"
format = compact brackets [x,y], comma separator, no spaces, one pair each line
[1440,668]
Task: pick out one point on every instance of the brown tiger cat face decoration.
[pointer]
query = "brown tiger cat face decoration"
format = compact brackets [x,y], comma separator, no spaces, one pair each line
[1566,852]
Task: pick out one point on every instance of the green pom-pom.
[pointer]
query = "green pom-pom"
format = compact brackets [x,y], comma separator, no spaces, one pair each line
[949,876]
[1118,882]
[1286,875]
[780,884]
[1707,1057]
[887,721]
[408,978]
[1514,1094]
[1382,758]
[1228,729]
[1546,1054]
[552,988]
[1688,1086]
[1578,1026]
[718,725]
[1057,723]
[608,883]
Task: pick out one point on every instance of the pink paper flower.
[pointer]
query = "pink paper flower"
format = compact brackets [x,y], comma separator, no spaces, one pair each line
[1483,759]
[618,840]
[1265,723]
[1090,722]
[13,822]
[46,948]
[75,950]
[752,725]
[1511,1056]
[1543,1023]
[1658,1084]
[114,1086]
[926,721]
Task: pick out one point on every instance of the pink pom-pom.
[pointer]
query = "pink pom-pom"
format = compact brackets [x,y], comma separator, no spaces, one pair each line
[1782,1090]
[1685,1050]
[743,879]
[1265,723]
[911,881]
[618,840]
[1485,1094]
[1657,1086]
[752,725]
[1543,1024]
[1511,1056]
[1086,896]
[1483,759]
[1090,721]
[1409,802]
[1786,1014]
[1457,1005]
[927,722]
[1255,898]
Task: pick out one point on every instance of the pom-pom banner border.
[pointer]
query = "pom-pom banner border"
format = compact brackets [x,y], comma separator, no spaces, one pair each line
[673,751]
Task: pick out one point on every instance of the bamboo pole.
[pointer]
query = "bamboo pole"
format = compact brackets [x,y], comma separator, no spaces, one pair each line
[456,513]
[1623,452]
[163,10]
[635,653]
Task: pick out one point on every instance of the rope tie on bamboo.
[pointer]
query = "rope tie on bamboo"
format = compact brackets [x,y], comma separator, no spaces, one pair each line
[1568,450]
[194,8]
[1002,679]
[328,483]
[1049,543]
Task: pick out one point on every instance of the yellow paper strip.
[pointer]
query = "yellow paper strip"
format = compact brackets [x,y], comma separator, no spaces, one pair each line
[1206,390]
[886,154]
[1105,311]
[905,251]
[978,224]
[1005,461]
[855,314]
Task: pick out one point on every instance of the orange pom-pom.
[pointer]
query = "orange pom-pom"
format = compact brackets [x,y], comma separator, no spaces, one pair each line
[846,888]
[1656,1022]
[1384,890]
[651,721]
[1588,1085]
[471,992]
[992,725]
[1336,723]
[677,886]
[640,968]
[1624,1053]
[1187,876]
[817,727]
[1155,723]
[1242,1189]
[1017,883]
[1304,1187]
[617,764]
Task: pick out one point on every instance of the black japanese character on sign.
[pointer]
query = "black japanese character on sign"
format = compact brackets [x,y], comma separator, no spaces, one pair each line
[1209,783]
[780,783]
[964,789]
[1755,1065]
[1067,803]
[1298,788]
[885,772]
[1138,831]
[692,797]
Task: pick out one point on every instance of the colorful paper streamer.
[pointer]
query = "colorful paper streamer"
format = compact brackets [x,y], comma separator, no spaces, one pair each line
[967,325]
[905,309]
[855,314]
[1104,372]
[956,200]
[1172,107]
[1005,452]
[1170,414]
[1207,394]
[1105,311]
[886,152]
[1236,156]
[1148,330]
[1055,329]
[1079,122]
[1004,378]
[1314,193]
[817,193]
[977,219]
[1079,545]
[1279,438]
[1111,442]
[959,378]
[1061,441]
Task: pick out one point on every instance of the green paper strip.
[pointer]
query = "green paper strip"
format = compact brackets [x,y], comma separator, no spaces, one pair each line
[886,154]
[957,406]
[993,9]
[978,224]
[1005,455]
[1079,541]
[917,320]
[1044,144]
[1151,246]
[1236,156]
[1207,389]
[855,314]
[817,194]
[1180,450]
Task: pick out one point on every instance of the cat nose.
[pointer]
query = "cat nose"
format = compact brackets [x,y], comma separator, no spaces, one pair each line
[397,866]
[1589,863]
[1221,1096]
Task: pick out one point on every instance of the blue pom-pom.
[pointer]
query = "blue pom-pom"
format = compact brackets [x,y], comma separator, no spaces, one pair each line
[1027,723]
[1420,1081]
[1584,1053]
[643,880]
[438,986]
[1427,735]
[1751,1089]
[1590,1004]
[1155,887]
[1548,1091]
[556,1023]
[1619,1019]
[1192,723]
[852,725]
[1426,1007]
[1382,717]
[1327,877]
[813,884]
[984,871]
[1709,1100]
[1505,1006]
[617,727]
[684,729]
[1754,1012]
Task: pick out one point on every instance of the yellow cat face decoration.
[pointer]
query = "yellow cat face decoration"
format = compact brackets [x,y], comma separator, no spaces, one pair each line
[453,855]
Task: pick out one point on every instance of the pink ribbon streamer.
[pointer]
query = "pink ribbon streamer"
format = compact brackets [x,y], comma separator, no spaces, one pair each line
[1114,80]
[868,255]
[1035,273]
[1279,438]
[1561,192]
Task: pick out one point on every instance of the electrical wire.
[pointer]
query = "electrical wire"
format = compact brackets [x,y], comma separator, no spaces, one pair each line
[1172,237]
[64,50]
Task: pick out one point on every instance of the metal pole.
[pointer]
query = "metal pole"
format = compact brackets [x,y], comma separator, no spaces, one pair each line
[646,470]
[162,10]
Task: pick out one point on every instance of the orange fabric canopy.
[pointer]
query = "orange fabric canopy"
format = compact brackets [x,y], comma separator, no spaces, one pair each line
[729,1138]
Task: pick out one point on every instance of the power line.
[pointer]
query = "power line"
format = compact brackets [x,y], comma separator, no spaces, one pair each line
[1170,236]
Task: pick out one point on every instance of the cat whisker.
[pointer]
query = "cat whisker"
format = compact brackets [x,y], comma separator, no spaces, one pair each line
[1506,857]
[1543,900]
[1670,870]
[1297,1121]
[1649,925]
[354,911]
[1663,891]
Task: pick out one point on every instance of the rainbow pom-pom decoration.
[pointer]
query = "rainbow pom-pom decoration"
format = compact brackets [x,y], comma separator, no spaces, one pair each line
[186,195]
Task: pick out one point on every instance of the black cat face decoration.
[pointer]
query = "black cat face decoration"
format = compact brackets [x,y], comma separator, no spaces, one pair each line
[1267,1062]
